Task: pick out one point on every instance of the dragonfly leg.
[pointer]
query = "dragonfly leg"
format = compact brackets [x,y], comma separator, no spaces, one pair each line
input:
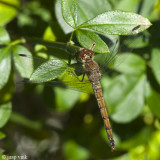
[82,77]
[77,76]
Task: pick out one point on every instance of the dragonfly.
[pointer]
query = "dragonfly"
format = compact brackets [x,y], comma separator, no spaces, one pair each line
[90,68]
[94,75]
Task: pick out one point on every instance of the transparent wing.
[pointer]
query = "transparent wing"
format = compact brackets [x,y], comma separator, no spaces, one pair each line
[71,75]
[118,47]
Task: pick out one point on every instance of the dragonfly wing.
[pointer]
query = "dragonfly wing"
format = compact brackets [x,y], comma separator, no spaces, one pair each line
[43,70]
[47,71]
[112,60]
[84,86]
[71,79]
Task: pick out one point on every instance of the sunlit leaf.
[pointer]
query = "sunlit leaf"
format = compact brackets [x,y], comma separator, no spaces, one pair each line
[86,38]
[86,10]
[49,35]
[4,36]
[48,71]
[155,63]
[154,146]
[117,22]
[74,151]
[8,10]
[64,26]
[5,65]
[2,135]
[69,12]
[23,64]
[5,111]
[71,79]
[76,12]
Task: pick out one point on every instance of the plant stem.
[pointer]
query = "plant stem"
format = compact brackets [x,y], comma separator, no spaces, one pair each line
[18,41]
[71,36]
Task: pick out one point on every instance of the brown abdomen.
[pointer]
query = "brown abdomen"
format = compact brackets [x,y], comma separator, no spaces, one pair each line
[99,96]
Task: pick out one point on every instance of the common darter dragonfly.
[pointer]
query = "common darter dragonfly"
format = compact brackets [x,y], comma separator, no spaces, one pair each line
[69,75]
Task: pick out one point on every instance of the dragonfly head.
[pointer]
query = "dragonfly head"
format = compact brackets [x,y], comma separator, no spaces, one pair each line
[86,54]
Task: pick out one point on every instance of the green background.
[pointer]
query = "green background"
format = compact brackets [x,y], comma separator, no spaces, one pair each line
[50,122]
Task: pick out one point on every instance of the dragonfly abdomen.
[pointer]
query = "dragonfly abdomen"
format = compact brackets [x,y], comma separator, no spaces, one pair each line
[93,72]
[99,96]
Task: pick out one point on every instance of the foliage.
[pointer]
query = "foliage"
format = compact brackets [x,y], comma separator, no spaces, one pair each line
[40,41]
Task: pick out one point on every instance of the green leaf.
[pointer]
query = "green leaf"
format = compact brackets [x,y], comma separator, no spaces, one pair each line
[5,65]
[4,36]
[69,47]
[62,96]
[125,97]
[117,22]
[66,74]
[7,91]
[24,65]
[147,7]
[58,13]
[20,119]
[49,35]
[137,41]
[48,71]
[130,6]
[76,12]
[125,156]
[153,101]
[8,10]
[2,135]
[72,80]
[69,12]
[92,8]
[5,112]
[155,9]
[74,151]
[155,63]
[86,38]
[132,64]
[138,139]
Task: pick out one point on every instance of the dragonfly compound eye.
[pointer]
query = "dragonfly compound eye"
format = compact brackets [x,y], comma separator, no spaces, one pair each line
[85,54]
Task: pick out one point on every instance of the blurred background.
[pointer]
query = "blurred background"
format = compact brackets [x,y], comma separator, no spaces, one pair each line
[47,122]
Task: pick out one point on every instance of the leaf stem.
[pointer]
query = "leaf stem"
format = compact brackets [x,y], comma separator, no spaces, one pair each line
[71,36]
[18,41]
[68,47]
